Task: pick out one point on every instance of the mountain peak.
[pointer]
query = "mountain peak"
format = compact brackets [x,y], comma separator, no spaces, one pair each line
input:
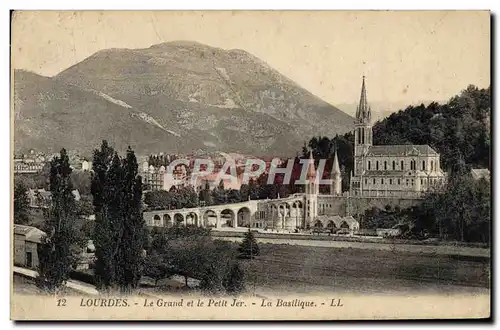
[213,99]
[181,43]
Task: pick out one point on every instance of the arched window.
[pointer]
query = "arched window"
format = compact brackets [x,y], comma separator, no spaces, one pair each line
[402,165]
[413,165]
[390,181]
[432,165]
[423,165]
[393,165]
[363,136]
[382,181]
[369,165]
[376,165]
[385,165]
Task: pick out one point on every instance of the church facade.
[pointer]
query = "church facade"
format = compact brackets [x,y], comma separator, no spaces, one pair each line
[390,170]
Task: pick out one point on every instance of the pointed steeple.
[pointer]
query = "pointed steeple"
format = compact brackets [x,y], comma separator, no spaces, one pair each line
[335,167]
[311,170]
[363,111]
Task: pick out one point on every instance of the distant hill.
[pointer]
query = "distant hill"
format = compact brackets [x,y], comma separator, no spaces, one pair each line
[173,97]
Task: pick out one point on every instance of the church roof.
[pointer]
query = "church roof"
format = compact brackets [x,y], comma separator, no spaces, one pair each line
[363,111]
[402,150]
[384,173]
[311,171]
[335,167]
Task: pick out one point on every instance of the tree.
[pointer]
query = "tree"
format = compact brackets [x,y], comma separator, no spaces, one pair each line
[219,195]
[233,196]
[119,230]
[84,207]
[82,181]
[55,251]
[249,248]
[131,242]
[235,279]
[459,129]
[103,189]
[157,267]
[21,204]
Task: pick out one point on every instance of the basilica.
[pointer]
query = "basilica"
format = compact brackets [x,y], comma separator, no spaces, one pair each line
[390,170]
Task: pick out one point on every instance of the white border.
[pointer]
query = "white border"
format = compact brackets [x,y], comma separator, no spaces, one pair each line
[180,5]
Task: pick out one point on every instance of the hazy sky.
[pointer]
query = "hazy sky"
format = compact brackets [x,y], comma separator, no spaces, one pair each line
[408,56]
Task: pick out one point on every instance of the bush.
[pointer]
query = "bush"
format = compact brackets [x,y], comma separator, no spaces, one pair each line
[249,248]
[83,277]
[235,279]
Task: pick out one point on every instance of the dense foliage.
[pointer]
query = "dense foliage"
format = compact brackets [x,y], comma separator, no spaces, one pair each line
[457,129]
[21,204]
[119,226]
[191,252]
[249,248]
[462,211]
[55,253]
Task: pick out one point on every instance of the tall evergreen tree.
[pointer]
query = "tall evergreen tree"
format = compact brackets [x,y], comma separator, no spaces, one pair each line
[21,203]
[119,230]
[104,239]
[55,255]
[249,248]
[130,258]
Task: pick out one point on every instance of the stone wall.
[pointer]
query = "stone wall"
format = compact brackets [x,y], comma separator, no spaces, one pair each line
[343,206]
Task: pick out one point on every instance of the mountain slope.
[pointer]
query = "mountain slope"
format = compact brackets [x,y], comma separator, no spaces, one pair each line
[177,96]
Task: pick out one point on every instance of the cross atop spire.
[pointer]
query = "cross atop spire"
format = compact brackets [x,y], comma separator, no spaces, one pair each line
[363,112]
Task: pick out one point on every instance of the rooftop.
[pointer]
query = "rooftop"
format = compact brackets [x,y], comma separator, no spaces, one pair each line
[402,150]
[479,173]
[31,234]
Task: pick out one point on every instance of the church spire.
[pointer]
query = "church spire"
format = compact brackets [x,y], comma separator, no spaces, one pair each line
[335,167]
[363,111]
[311,170]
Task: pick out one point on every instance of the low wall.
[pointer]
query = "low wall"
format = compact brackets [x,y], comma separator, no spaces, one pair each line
[343,206]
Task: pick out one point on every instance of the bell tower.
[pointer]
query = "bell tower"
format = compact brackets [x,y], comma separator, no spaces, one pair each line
[336,187]
[312,191]
[363,137]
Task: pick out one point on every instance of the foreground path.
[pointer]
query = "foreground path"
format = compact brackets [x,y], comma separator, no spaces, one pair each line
[72,284]
[427,249]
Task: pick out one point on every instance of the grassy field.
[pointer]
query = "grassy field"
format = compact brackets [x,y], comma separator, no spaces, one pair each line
[303,269]
[341,238]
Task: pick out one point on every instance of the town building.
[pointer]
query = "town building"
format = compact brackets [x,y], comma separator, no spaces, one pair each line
[480,173]
[26,241]
[29,163]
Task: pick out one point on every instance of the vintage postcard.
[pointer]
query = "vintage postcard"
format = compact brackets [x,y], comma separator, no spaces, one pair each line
[250,165]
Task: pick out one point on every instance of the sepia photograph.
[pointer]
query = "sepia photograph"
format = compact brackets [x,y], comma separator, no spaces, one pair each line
[250,165]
